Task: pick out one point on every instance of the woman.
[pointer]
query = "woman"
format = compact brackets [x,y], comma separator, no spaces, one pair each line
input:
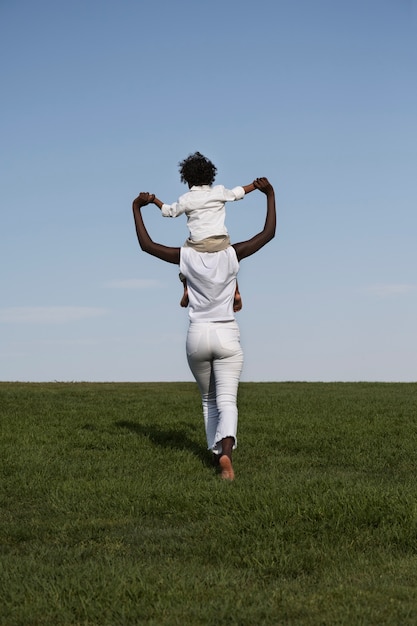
[213,346]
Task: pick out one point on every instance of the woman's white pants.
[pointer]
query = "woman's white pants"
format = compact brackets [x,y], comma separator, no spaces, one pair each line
[215,358]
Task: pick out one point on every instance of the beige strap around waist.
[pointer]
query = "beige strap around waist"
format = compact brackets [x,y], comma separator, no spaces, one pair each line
[209,244]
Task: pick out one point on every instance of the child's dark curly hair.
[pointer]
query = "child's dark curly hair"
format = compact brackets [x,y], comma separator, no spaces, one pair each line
[196,169]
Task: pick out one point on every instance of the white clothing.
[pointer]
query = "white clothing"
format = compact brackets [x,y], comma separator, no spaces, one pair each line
[204,207]
[215,358]
[213,346]
[211,282]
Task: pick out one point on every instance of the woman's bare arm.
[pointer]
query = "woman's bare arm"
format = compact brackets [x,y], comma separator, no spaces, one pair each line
[246,248]
[166,253]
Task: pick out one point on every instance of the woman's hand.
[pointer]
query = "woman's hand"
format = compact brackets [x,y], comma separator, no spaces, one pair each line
[143,199]
[263,185]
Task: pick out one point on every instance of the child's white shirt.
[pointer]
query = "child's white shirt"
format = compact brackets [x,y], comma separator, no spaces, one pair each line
[204,207]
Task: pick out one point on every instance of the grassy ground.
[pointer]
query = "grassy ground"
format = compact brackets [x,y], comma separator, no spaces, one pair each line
[112,514]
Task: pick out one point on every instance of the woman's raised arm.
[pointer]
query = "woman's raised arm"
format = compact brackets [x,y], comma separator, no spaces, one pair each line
[246,248]
[166,253]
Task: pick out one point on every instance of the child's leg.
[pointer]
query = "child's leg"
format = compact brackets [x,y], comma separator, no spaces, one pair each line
[237,303]
[184,300]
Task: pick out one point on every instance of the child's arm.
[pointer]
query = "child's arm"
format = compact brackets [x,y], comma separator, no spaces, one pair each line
[171,210]
[154,200]
[249,188]
[157,202]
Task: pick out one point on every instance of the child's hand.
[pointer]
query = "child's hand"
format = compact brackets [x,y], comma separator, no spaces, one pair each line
[263,185]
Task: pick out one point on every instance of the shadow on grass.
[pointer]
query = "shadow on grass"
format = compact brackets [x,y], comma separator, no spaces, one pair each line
[169,439]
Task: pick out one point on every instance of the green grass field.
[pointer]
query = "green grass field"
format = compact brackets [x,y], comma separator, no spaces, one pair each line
[112,513]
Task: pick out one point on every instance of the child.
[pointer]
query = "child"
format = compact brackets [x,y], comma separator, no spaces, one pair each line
[204,206]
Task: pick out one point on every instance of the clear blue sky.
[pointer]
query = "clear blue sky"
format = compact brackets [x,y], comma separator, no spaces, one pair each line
[101,99]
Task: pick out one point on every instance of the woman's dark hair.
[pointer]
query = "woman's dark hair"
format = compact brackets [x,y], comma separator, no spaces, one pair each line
[196,169]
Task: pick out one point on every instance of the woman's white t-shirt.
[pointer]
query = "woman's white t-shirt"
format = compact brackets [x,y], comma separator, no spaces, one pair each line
[211,281]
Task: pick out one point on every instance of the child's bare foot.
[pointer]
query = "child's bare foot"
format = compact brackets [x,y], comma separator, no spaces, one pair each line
[237,303]
[227,472]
